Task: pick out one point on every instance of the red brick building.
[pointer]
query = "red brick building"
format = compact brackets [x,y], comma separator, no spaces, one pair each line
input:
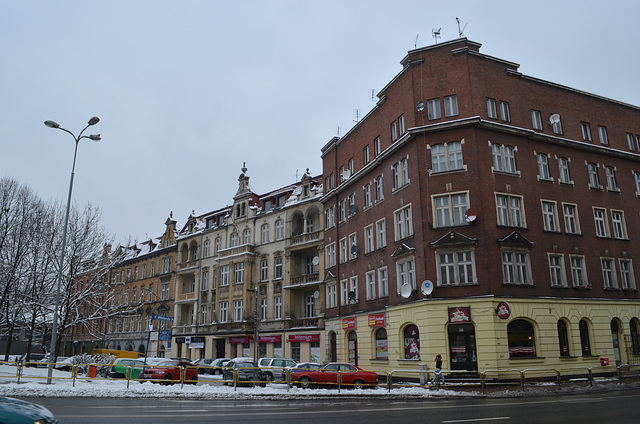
[485,215]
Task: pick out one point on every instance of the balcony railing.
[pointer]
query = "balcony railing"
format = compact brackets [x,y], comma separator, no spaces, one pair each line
[307,323]
[186,265]
[305,238]
[238,250]
[187,296]
[304,279]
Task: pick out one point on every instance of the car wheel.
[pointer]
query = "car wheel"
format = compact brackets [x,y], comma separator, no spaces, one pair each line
[263,385]
[269,376]
[358,384]
[304,382]
[168,377]
[217,372]
[119,375]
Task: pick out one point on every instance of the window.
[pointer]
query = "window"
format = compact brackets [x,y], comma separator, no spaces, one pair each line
[403,222]
[331,219]
[563,338]
[634,326]
[239,273]
[265,233]
[509,210]
[600,219]
[451,105]
[536,120]
[585,342]
[592,170]
[278,267]
[631,142]
[433,109]
[367,195]
[344,292]
[608,273]
[611,178]
[400,173]
[350,166]
[636,176]
[368,239]
[332,300]
[383,282]
[492,112]
[342,211]
[549,216]
[556,124]
[515,267]
[455,268]
[401,126]
[247,236]
[371,285]
[556,268]
[619,225]
[571,223]
[563,171]
[237,310]
[365,154]
[394,131]
[602,133]
[521,339]
[377,149]
[450,209]
[353,247]
[279,229]
[412,342]
[380,192]
[264,269]
[586,131]
[277,312]
[504,111]
[504,159]
[218,244]
[224,312]
[382,344]
[406,271]
[446,157]
[381,232]
[543,166]
[352,204]
[263,309]
[626,274]
[205,280]
[234,239]
[224,275]
[330,255]
[578,271]
[344,257]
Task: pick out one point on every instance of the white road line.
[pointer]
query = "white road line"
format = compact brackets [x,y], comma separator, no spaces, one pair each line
[474,420]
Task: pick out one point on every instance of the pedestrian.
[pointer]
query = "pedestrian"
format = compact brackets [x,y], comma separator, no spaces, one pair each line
[438,370]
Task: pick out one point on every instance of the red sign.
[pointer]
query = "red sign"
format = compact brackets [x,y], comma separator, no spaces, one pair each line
[604,361]
[376,320]
[269,339]
[304,338]
[240,340]
[460,315]
[503,310]
[348,323]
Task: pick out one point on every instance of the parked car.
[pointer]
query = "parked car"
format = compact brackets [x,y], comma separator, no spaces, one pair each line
[352,376]
[33,359]
[169,372]
[126,367]
[19,411]
[65,364]
[217,365]
[274,367]
[247,372]
[303,366]
[209,365]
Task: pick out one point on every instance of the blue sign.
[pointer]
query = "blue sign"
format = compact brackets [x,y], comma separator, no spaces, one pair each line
[163,318]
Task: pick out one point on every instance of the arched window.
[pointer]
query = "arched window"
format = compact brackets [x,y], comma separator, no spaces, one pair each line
[521,339]
[411,342]
[234,239]
[265,233]
[563,338]
[247,236]
[207,248]
[584,338]
[382,344]
[635,335]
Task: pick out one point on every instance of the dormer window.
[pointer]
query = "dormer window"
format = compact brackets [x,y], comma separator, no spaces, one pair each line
[241,209]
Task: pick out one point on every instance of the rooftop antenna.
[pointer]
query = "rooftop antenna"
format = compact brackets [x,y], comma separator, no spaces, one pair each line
[373,95]
[338,131]
[460,31]
[436,34]
[415,45]
[356,112]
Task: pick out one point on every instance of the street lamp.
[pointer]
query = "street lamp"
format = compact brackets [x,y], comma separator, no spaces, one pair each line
[54,328]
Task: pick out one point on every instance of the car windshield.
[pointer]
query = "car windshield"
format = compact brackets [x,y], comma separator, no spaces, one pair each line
[168,363]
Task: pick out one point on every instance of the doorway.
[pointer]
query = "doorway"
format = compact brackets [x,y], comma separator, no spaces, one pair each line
[615,339]
[462,347]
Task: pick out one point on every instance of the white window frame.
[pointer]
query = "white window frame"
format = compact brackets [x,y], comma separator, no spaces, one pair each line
[406,273]
[433,109]
[603,136]
[265,233]
[571,219]
[277,307]
[456,267]
[451,106]
[366,189]
[578,271]
[344,251]
[403,222]
[504,158]
[550,215]
[225,274]
[556,270]
[330,255]
[586,131]
[383,282]
[594,179]
[238,273]
[400,172]
[516,267]
[279,229]
[610,173]
[626,274]
[449,209]
[543,167]
[380,188]
[619,225]
[344,292]
[505,114]
[609,273]
[446,157]
[564,176]
[353,241]
[510,210]
[332,297]
[492,111]
[264,269]
[370,278]
[369,245]
[601,222]
[224,312]
[237,311]
[381,233]
[536,120]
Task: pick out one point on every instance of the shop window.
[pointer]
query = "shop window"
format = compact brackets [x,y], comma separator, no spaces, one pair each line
[411,342]
[584,338]
[563,338]
[521,339]
[382,344]
[635,335]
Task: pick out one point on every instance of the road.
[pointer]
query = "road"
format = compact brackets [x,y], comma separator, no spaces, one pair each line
[614,407]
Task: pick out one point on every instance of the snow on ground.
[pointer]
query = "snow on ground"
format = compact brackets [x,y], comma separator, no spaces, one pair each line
[33,384]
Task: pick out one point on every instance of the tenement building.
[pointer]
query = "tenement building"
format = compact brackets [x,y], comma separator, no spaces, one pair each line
[250,276]
[485,215]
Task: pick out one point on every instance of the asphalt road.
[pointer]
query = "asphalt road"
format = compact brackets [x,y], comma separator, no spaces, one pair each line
[614,407]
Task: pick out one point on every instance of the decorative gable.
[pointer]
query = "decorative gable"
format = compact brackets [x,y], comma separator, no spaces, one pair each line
[515,239]
[454,239]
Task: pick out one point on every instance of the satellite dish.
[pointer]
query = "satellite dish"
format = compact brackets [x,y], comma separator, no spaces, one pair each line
[316,294]
[352,209]
[315,261]
[352,297]
[471,214]
[405,290]
[420,106]
[555,118]
[346,174]
[354,250]
[427,287]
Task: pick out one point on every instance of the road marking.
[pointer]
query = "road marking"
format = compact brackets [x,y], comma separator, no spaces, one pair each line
[473,420]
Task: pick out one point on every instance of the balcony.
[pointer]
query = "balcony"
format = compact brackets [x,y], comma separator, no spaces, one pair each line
[186,296]
[312,322]
[305,279]
[235,251]
[181,266]
[306,238]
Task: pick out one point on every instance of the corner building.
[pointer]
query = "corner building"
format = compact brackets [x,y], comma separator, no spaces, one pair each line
[485,215]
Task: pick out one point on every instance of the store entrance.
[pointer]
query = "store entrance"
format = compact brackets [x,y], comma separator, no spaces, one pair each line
[462,347]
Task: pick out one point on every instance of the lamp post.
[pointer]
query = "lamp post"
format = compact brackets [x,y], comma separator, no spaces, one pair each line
[54,327]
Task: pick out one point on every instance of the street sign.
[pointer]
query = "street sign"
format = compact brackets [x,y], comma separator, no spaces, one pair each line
[163,318]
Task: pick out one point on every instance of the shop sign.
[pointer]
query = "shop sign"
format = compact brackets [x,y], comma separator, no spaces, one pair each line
[240,340]
[460,315]
[269,339]
[348,323]
[503,310]
[165,335]
[304,338]
[180,339]
[376,320]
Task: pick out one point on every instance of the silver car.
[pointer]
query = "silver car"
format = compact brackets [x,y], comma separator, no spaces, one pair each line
[274,367]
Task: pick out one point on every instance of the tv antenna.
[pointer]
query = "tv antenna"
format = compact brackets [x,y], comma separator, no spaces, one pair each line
[460,31]
[373,95]
[338,131]
[356,113]
[415,45]
[436,34]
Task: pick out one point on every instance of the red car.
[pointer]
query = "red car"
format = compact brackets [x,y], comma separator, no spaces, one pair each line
[352,376]
[169,372]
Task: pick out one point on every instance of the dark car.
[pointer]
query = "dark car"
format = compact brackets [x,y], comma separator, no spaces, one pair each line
[351,376]
[246,372]
[18,411]
[169,372]
[303,366]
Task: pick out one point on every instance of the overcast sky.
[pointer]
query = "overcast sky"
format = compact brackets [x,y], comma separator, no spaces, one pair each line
[187,91]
